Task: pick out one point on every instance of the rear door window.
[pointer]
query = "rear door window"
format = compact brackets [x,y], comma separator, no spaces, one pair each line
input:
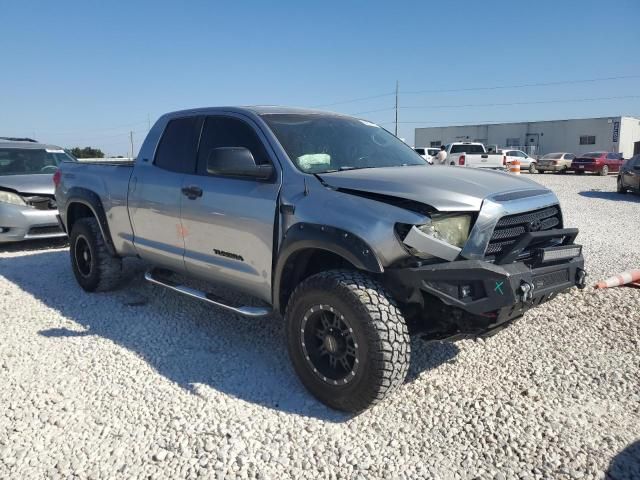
[179,144]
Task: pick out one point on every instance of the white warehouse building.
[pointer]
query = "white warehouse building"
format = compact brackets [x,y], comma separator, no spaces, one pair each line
[581,135]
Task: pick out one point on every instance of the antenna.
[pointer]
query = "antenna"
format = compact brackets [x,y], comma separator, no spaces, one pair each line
[396,132]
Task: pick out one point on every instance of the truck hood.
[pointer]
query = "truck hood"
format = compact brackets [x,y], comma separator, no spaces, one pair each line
[443,188]
[40,184]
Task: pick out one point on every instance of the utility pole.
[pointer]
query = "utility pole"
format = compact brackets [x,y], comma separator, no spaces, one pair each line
[396,108]
[131,139]
[148,122]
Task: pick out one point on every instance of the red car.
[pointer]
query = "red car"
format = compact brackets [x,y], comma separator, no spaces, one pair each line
[598,162]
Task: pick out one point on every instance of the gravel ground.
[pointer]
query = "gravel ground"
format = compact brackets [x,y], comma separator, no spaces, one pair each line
[142,382]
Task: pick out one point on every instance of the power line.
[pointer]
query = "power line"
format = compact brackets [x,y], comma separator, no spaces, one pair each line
[353,100]
[509,104]
[95,130]
[572,100]
[91,139]
[469,89]
[525,85]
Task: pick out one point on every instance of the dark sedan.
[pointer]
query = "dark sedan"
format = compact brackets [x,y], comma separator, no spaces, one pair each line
[601,163]
[629,176]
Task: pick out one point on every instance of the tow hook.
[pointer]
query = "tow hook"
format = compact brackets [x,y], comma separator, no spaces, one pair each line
[526,290]
[581,278]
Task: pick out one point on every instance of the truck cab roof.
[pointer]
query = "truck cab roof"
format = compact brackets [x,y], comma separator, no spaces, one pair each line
[254,109]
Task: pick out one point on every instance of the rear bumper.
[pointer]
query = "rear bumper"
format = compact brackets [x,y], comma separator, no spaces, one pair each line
[552,168]
[585,167]
[473,298]
[19,223]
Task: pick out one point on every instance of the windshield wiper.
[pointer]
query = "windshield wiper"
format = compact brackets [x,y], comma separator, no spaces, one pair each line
[351,167]
[341,169]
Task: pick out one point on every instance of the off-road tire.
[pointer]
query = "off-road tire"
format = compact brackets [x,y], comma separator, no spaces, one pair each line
[378,325]
[104,270]
[604,171]
[620,188]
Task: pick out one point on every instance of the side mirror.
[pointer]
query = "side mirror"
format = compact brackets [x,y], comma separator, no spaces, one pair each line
[236,162]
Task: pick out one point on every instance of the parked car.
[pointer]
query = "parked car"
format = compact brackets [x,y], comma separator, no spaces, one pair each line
[428,153]
[629,176]
[526,162]
[555,162]
[332,222]
[27,202]
[602,163]
[475,155]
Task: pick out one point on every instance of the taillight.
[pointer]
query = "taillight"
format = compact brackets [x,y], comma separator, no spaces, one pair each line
[56,177]
[504,160]
[461,160]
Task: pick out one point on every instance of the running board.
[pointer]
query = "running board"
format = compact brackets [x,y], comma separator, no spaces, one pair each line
[206,297]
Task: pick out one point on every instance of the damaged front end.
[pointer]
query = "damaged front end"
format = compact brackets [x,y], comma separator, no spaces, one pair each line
[461,297]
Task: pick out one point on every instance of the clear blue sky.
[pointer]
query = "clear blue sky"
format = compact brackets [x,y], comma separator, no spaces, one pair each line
[86,72]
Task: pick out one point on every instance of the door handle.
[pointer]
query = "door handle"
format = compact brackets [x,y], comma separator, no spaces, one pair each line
[192,192]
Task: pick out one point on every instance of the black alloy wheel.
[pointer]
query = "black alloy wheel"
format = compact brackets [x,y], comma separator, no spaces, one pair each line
[328,345]
[83,256]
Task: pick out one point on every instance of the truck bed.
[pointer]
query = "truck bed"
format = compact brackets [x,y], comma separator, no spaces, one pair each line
[107,161]
[109,179]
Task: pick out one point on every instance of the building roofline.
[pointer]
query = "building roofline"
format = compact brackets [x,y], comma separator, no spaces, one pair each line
[532,121]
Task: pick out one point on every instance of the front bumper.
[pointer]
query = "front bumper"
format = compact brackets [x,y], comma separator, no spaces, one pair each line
[474,297]
[19,223]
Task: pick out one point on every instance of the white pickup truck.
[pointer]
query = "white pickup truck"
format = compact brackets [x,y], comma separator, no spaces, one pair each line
[474,155]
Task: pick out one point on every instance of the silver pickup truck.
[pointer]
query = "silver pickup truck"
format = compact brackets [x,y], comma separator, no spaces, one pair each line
[330,221]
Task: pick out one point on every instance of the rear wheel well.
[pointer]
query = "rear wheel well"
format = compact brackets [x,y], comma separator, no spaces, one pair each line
[76,211]
[305,263]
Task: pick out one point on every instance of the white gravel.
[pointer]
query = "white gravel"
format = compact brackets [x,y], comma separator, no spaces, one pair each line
[145,383]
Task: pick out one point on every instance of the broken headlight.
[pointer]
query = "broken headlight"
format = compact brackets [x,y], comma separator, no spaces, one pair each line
[453,229]
[11,198]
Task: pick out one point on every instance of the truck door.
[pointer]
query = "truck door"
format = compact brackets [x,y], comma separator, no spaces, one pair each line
[155,194]
[229,221]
